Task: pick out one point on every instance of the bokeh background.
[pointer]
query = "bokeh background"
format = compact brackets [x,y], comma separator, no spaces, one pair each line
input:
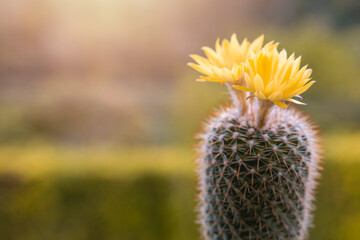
[98,111]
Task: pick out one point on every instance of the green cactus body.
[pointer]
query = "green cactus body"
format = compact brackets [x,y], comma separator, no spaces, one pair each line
[257,183]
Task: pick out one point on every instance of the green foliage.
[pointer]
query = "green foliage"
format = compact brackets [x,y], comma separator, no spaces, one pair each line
[338,202]
[76,208]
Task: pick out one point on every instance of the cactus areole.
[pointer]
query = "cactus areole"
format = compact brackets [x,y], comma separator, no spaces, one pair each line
[258,158]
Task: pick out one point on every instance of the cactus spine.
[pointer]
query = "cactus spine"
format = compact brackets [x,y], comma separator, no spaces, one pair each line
[257,183]
[258,163]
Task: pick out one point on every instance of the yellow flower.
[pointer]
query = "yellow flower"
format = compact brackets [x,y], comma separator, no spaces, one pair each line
[226,62]
[273,76]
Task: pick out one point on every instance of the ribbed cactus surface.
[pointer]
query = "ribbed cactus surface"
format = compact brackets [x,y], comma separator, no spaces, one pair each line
[257,184]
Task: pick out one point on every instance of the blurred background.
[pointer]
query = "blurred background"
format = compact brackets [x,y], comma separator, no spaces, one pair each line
[98,111]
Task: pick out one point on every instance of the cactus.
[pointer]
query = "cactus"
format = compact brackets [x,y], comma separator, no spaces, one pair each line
[258,160]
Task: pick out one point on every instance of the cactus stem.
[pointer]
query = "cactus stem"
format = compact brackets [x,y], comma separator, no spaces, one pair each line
[264,110]
[238,98]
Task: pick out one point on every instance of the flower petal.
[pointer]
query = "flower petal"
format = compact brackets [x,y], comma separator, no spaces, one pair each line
[201,68]
[212,79]
[238,87]
[304,88]
[280,104]
[258,83]
[260,95]
[212,56]
[295,101]
[275,96]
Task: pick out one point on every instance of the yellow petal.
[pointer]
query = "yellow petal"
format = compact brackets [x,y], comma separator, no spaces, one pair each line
[296,66]
[202,69]
[295,101]
[307,73]
[212,79]
[268,73]
[257,43]
[212,55]
[304,88]
[200,60]
[238,70]
[270,88]
[275,96]
[217,45]
[260,95]
[233,41]
[249,82]
[280,104]
[300,73]
[224,73]
[258,83]
[242,88]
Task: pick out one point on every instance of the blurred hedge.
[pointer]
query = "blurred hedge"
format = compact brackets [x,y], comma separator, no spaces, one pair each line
[150,205]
